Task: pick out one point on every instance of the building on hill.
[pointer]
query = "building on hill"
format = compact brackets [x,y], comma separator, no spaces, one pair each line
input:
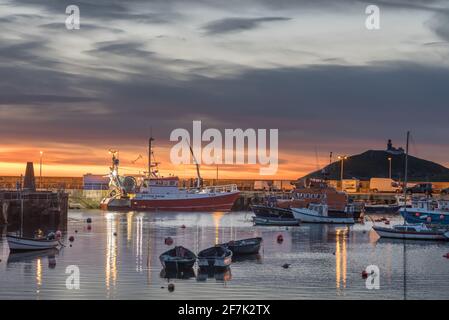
[393,150]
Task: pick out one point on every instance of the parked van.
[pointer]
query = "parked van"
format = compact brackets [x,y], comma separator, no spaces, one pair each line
[350,185]
[384,185]
[262,185]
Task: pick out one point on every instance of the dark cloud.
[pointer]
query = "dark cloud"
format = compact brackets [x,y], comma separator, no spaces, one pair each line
[124,49]
[238,24]
[39,99]
[307,104]
[124,86]
[440,25]
[86,27]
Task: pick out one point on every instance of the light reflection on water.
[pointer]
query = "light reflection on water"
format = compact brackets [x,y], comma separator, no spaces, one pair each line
[119,258]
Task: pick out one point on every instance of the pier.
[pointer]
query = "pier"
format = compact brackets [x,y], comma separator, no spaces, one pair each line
[33,206]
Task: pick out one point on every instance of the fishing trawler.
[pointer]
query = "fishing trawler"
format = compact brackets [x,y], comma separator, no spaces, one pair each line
[158,193]
[315,191]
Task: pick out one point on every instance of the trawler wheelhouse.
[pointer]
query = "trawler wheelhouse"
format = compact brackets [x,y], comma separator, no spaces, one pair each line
[160,185]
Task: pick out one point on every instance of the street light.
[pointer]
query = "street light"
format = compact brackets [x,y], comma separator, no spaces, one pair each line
[216,162]
[389,170]
[40,169]
[342,159]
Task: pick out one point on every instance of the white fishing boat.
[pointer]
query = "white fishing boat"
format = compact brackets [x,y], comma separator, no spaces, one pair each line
[412,231]
[27,244]
[318,213]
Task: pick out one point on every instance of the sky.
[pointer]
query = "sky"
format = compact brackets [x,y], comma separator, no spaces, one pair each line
[310,69]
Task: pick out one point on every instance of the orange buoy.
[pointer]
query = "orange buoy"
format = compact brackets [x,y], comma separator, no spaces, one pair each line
[168,241]
[89,227]
[417,214]
[364,274]
[280,238]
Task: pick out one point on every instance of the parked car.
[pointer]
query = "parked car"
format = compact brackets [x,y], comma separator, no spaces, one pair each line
[445,191]
[420,188]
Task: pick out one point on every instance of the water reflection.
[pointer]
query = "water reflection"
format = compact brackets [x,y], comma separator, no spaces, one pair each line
[217,216]
[113,264]
[139,243]
[111,251]
[340,258]
[129,226]
[181,274]
[211,273]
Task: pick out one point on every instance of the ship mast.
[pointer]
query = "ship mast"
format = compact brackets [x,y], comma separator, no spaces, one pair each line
[150,152]
[406,174]
[198,176]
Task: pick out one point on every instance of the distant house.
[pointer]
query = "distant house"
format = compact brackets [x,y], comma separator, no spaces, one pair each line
[393,150]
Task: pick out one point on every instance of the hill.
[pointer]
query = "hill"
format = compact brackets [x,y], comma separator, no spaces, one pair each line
[374,163]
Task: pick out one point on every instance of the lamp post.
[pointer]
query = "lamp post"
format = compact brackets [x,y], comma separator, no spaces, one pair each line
[216,162]
[389,167]
[342,159]
[40,169]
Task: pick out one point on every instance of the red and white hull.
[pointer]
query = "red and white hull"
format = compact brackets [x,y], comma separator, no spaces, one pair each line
[191,202]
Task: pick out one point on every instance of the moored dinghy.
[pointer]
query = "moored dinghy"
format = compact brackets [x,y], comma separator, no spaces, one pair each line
[215,257]
[29,244]
[273,216]
[412,232]
[244,246]
[274,221]
[178,258]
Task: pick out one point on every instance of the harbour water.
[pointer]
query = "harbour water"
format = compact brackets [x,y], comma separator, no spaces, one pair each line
[118,258]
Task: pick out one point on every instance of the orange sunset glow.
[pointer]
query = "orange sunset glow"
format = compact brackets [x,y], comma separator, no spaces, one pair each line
[63,160]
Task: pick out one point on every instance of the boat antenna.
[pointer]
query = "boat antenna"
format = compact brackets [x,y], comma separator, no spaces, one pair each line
[198,176]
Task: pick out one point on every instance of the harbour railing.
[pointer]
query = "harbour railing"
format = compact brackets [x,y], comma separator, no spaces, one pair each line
[221,189]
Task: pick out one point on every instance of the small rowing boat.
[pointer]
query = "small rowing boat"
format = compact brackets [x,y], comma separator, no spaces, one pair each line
[275,221]
[244,246]
[178,258]
[412,232]
[215,257]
